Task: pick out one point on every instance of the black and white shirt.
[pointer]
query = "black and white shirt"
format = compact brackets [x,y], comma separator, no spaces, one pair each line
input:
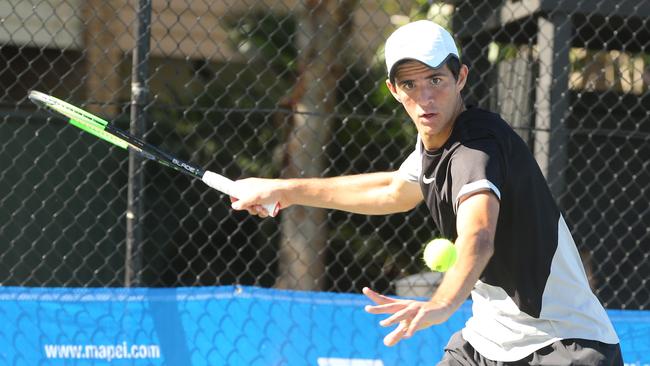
[534,290]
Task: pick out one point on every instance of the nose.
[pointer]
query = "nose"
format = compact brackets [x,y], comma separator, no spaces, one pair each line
[426,96]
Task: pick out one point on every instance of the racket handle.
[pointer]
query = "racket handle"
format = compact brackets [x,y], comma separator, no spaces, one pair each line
[227,186]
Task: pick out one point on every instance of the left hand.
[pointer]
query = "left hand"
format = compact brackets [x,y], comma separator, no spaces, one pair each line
[412,315]
[254,193]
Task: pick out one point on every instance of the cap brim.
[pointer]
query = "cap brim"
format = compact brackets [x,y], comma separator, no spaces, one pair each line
[393,69]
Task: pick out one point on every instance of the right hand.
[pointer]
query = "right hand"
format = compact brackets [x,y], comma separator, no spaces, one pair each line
[410,316]
[253,193]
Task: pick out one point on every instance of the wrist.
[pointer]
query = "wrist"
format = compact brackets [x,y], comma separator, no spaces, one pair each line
[286,190]
[446,307]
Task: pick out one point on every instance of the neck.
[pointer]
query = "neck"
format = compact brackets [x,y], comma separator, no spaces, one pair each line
[460,108]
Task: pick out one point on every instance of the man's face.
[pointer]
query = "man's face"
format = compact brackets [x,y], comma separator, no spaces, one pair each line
[431,97]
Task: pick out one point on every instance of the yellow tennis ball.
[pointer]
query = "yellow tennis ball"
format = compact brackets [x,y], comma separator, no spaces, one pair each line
[439,255]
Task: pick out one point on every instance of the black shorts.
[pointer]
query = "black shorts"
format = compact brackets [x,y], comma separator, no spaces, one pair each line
[459,352]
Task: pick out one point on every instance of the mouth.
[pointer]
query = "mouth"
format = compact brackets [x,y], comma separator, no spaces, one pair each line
[428,116]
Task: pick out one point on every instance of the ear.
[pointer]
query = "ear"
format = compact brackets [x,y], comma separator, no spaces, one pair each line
[393,90]
[462,77]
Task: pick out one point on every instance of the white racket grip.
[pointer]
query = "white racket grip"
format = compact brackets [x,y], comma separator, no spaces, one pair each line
[228,186]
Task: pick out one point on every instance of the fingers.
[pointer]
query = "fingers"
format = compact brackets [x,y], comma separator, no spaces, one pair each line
[257,210]
[405,314]
[245,196]
[386,305]
[409,323]
[409,315]
[261,211]
[251,194]
[385,309]
[415,323]
[377,298]
[396,335]
[239,205]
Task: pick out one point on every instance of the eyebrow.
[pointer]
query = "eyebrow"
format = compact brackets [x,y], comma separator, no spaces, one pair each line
[434,73]
[438,72]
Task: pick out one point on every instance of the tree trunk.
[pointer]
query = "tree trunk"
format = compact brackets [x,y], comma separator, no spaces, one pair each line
[102,55]
[323,27]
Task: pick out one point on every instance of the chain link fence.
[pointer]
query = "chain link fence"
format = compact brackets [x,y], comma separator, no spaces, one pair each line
[296,89]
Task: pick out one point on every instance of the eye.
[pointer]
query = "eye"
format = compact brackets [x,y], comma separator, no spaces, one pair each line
[436,81]
[407,84]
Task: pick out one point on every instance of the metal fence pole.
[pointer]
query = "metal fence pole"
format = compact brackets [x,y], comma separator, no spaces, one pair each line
[139,94]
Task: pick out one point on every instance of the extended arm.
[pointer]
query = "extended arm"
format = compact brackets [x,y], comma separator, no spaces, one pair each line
[476,226]
[371,194]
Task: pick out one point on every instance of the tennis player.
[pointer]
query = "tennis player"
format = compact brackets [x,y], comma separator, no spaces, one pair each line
[532,303]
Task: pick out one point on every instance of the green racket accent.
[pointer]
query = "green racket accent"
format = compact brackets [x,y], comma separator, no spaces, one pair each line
[99,132]
[78,117]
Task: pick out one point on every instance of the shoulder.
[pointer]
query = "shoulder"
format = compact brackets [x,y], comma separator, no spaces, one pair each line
[477,123]
[475,114]
[477,127]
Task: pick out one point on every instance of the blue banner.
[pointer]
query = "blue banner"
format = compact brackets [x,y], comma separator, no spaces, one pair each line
[228,325]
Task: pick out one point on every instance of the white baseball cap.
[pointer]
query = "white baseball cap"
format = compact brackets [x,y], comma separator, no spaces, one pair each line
[424,41]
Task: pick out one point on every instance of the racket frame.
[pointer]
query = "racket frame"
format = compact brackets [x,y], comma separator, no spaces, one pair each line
[104,130]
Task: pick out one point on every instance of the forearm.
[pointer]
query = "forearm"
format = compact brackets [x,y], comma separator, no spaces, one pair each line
[474,252]
[372,193]
[476,225]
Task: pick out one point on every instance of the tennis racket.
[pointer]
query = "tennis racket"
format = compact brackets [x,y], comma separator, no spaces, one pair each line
[107,132]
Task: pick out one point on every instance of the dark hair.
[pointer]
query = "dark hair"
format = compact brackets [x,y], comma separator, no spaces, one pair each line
[452,62]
